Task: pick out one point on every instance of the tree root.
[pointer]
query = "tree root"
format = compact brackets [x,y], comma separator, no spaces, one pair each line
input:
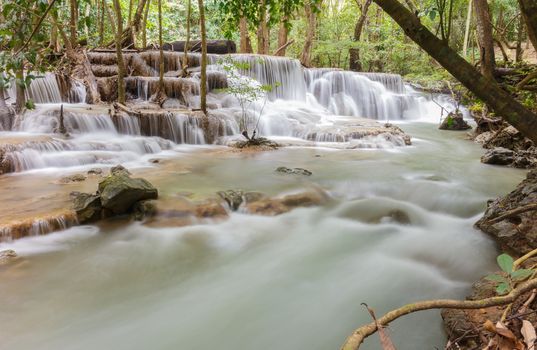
[354,341]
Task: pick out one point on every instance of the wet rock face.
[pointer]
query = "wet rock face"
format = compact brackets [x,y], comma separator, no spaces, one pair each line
[454,121]
[233,198]
[294,171]
[516,233]
[72,178]
[119,192]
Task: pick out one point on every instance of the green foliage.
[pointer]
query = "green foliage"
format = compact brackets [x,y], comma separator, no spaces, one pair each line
[506,283]
[246,90]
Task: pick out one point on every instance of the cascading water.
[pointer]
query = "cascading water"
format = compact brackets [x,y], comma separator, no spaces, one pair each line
[46,89]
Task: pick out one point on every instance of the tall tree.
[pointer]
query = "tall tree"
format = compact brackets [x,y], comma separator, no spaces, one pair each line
[161,94]
[484,34]
[245,43]
[144,24]
[73,20]
[121,72]
[529,12]
[311,18]
[483,87]
[354,52]
[203,80]
[187,42]
[263,42]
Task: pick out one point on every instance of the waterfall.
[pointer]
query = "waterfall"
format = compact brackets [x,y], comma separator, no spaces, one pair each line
[47,89]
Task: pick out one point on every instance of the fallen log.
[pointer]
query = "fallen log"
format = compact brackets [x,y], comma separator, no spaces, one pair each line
[220,47]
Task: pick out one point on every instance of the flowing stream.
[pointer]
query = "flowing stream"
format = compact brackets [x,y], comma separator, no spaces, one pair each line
[398,228]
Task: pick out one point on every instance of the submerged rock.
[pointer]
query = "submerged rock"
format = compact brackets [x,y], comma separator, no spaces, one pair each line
[95,171]
[7,255]
[259,143]
[88,207]
[294,171]
[454,121]
[280,205]
[73,178]
[119,192]
[516,233]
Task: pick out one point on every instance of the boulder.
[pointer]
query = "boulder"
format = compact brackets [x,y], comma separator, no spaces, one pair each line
[87,206]
[509,138]
[498,156]
[119,192]
[294,171]
[516,233]
[454,121]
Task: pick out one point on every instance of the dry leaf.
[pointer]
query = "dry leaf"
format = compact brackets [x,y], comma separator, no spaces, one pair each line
[528,332]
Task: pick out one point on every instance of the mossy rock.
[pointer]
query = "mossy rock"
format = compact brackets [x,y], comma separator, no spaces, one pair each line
[119,192]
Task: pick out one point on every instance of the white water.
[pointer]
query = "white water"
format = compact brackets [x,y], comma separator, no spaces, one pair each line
[293,281]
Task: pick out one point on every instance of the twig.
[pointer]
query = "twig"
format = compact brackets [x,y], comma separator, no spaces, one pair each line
[523,258]
[357,337]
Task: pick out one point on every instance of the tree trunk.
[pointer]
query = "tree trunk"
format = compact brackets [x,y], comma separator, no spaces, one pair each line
[245,44]
[311,18]
[262,30]
[144,24]
[282,37]
[484,88]
[484,35]
[161,91]
[187,42]
[354,53]
[120,64]
[20,90]
[101,23]
[520,31]
[203,80]
[73,20]
[529,12]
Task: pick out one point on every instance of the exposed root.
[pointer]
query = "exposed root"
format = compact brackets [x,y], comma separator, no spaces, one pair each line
[354,341]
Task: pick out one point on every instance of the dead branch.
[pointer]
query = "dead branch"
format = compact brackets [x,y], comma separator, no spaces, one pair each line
[283,47]
[513,212]
[526,80]
[354,341]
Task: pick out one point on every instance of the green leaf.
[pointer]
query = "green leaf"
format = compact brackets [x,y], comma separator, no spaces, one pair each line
[503,288]
[522,274]
[505,261]
[432,15]
[496,278]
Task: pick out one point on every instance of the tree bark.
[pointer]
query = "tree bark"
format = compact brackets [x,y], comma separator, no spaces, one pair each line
[121,72]
[529,12]
[20,90]
[354,53]
[484,88]
[519,51]
[73,20]
[187,42]
[144,24]
[203,80]
[262,30]
[161,91]
[245,44]
[311,18]
[282,37]
[484,35]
